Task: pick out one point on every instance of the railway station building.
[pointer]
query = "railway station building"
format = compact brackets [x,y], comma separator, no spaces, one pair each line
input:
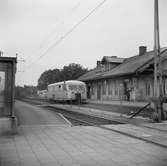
[130,79]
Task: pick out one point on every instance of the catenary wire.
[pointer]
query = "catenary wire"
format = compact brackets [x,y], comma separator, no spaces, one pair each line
[68,32]
[65,35]
[46,40]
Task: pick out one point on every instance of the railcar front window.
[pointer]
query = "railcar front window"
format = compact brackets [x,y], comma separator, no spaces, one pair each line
[82,88]
[72,87]
[64,87]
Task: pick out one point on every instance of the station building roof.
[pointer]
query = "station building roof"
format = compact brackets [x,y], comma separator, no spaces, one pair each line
[130,65]
[8,59]
[112,59]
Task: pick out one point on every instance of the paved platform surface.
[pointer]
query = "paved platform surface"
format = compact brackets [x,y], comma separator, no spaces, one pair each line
[60,144]
[142,128]
[28,114]
[54,145]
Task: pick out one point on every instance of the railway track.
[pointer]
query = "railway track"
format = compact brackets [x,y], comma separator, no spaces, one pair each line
[118,121]
[85,122]
[116,131]
[82,119]
[39,102]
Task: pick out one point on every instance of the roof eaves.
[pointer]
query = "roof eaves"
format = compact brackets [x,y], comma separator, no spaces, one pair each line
[145,65]
[118,75]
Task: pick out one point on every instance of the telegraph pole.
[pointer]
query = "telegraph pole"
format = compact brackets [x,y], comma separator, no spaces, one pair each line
[158,92]
[155,48]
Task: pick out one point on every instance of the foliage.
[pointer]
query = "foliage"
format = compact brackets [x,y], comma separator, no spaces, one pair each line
[70,72]
[25,91]
[48,77]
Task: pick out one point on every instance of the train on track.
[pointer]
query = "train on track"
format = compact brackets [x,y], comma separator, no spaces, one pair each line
[71,90]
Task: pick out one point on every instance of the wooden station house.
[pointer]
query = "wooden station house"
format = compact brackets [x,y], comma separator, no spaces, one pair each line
[129,79]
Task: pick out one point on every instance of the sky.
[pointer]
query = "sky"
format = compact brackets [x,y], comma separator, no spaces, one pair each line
[35,30]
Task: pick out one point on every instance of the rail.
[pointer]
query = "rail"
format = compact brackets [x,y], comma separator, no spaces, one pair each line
[120,132]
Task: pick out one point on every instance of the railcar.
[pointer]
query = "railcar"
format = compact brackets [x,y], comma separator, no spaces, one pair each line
[71,90]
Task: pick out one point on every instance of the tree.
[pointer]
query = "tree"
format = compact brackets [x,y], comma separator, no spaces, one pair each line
[48,77]
[70,72]
[21,92]
[73,71]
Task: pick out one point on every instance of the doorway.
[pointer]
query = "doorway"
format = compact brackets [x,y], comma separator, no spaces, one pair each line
[126,91]
[88,92]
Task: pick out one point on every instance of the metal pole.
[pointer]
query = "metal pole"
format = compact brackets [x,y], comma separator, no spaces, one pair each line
[13,90]
[13,117]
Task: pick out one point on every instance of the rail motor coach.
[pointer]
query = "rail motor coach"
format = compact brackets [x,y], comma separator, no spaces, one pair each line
[71,90]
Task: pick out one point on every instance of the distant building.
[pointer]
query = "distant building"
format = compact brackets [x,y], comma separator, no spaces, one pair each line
[125,79]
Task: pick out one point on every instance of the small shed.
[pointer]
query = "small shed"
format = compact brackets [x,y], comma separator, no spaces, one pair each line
[7,89]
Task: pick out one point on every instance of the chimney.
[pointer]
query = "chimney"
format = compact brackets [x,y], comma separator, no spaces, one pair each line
[98,63]
[142,50]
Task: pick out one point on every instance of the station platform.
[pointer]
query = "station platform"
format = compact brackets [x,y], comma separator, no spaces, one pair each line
[63,145]
[139,127]
[123,103]
[66,145]
[118,102]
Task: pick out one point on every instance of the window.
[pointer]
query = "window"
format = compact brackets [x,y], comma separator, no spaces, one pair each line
[81,87]
[165,86]
[92,89]
[59,88]
[56,88]
[104,88]
[64,87]
[110,87]
[116,88]
[148,89]
[72,87]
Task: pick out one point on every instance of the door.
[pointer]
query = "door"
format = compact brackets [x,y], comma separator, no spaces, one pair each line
[88,92]
[126,92]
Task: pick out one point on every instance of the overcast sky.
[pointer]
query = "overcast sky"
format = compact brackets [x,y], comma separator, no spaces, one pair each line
[31,28]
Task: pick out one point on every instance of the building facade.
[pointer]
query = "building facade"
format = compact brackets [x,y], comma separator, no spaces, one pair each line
[130,79]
